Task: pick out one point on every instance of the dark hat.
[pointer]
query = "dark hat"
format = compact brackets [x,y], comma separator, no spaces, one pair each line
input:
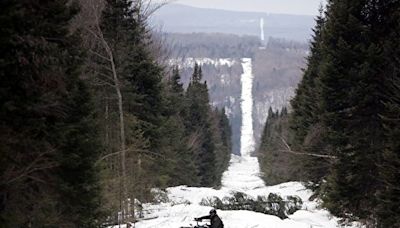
[213,212]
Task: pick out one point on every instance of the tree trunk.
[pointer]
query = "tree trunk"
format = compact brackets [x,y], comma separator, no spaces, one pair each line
[117,86]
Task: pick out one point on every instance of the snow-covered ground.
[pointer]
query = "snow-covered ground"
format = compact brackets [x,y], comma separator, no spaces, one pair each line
[242,175]
[189,62]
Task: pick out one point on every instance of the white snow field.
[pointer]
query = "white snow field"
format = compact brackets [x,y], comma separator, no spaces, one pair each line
[242,175]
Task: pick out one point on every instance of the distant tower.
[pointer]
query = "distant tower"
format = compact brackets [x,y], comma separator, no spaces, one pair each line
[262,29]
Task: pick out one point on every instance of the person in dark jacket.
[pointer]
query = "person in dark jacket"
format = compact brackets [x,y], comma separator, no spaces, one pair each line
[216,222]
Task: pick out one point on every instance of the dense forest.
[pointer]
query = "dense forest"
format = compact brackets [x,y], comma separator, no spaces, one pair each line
[277,166]
[343,129]
[211,45]
[90,118]
[277,72]
[276,68]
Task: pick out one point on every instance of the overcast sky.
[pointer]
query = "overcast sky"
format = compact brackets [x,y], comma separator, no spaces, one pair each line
[305,7]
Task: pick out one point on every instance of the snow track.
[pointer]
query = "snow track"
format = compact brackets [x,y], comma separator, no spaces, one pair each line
[242,175]
[243,172]
[247,143]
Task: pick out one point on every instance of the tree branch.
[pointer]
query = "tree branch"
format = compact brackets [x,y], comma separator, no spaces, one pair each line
[35,166]
[99,55]
[289,150]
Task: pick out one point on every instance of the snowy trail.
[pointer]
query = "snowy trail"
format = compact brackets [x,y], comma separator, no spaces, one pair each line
[247,143]
[242,175]
[243,172]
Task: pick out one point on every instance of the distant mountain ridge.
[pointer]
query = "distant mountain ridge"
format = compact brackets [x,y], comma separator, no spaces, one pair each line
[177,18]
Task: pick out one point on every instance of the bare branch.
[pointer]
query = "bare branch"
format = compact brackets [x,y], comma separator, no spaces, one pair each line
[99,82]
[289,150]
[38,164]
[99,55]
[141,151]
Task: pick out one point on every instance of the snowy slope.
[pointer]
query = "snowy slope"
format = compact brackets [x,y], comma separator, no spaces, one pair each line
[242,175]
[184,203]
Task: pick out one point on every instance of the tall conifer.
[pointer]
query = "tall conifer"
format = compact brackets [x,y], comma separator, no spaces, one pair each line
[199,124]
[48,136]
[352,100]
[306,116]
[389,193]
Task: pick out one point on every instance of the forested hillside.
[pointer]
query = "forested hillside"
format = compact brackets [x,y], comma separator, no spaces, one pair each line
[90,120]
[345,118]
[211,45]
[178,18]
[276,165]
[224,91]
[219,55]
[277,72]
[276,68]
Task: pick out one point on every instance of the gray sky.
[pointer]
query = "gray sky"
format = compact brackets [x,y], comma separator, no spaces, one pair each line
[305,7]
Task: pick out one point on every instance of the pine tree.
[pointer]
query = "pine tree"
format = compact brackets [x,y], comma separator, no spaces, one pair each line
[276,163]
[198,124]
[352,101]
[179,167]
[78,182]
[389,194]
[352,73]
[125,29]
[387,28]
[175,82]
[48,133]
[132,124]
[226,131]
[310,132]
[221,136]
[306,102]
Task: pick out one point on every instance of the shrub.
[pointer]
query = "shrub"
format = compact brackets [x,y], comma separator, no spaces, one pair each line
[271,205]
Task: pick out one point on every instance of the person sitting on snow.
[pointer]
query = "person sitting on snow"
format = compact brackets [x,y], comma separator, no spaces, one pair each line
[216,222]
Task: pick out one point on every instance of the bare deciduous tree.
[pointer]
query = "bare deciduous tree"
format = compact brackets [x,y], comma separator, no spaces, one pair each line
[98,46]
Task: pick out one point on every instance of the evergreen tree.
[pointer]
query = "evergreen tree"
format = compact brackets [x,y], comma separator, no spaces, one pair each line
[226,131]
[198,125]
[78,179]
[351,69]
[310,132]
[276,163]
[389,194]
[352,100]
[387,28]
[47,134]
[306,103]
[197,142]
[125,29]
[179,168]
[222,139]
[128,40]
[175,82]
